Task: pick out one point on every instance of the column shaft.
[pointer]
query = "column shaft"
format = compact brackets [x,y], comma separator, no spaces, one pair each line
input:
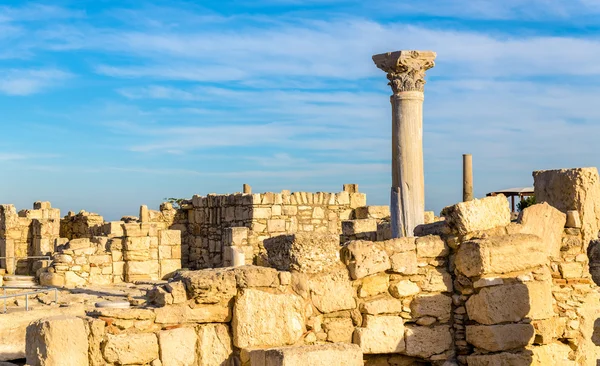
[408,183]
[467,177]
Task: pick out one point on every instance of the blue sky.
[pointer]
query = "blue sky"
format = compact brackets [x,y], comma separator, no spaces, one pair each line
[106,105]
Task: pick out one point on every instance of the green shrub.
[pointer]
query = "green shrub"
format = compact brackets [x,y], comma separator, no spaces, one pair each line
[529,201]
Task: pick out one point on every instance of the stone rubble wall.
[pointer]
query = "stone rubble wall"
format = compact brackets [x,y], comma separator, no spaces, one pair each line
[268,215]
[27,233]
[472,289]
[128,252]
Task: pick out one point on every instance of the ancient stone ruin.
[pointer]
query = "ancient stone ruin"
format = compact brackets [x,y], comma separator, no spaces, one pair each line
[322,283]
[312,279]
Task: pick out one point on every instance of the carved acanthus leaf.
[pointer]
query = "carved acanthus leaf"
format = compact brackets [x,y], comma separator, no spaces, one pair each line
[405,69]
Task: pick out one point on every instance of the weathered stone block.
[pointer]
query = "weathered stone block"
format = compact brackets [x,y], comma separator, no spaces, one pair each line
[364,258]
[425,342]
[60,340]
[431,246]
[437,305]
[177,346]
[265,319]
[478,214]
[546,222]
[404,288]
[380,334]
[336,354]
[372,212]
[304,252]
[339,329]
[511,303]
[405,263]
[501,359]
[210,286]
[381,305]
[214,345]
[352,227]
[500,254]
[169,237]
[374,285]
[125,349]
[572,189]
[332,291]
[496,338]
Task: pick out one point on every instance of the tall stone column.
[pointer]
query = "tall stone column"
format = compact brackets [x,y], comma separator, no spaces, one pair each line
[467,177]
[406,73]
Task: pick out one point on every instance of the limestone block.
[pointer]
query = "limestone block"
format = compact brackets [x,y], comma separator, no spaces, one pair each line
[437,280]
[50,279]
[511,303]
[380,334]
[256,276]
[571,270]
[352,227]
[125,349]
[208,313]
[436,305]
[500,254]
[177,290]
[335,354]
[502,359]
[400,245]
[214,345]
[168,267]
[60,340]
[332,291]
[431,246]
[425,342]
[100,259]
[261,213]
[555,354]
[405,263]
[358,200]
[364,258]
[478,214]
[572,189]
[141,268]
[374,285]
[381,305]
[546,222]
[339,329]
[79,243]
[95,329]
[202,313]
[210,286]
[169,237]
[265,319]
[372,212]
[304,252]
[177,347]
[573,219]
[404,288]
[496,338]
[72,279]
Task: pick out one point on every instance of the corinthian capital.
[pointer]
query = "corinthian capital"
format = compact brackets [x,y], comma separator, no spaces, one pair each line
[405,69]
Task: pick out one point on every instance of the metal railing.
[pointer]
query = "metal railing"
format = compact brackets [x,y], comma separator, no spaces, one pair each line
[14,264]
[26,294]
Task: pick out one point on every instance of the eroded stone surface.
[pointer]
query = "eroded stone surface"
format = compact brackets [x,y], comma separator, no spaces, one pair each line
[265,319]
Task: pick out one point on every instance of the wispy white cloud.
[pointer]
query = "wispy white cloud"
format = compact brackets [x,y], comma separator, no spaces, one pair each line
[35,12]
[30,81]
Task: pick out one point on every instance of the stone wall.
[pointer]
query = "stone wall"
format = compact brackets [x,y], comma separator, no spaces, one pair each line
[268,215]
[27,233]
[127,252]
[472,289]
